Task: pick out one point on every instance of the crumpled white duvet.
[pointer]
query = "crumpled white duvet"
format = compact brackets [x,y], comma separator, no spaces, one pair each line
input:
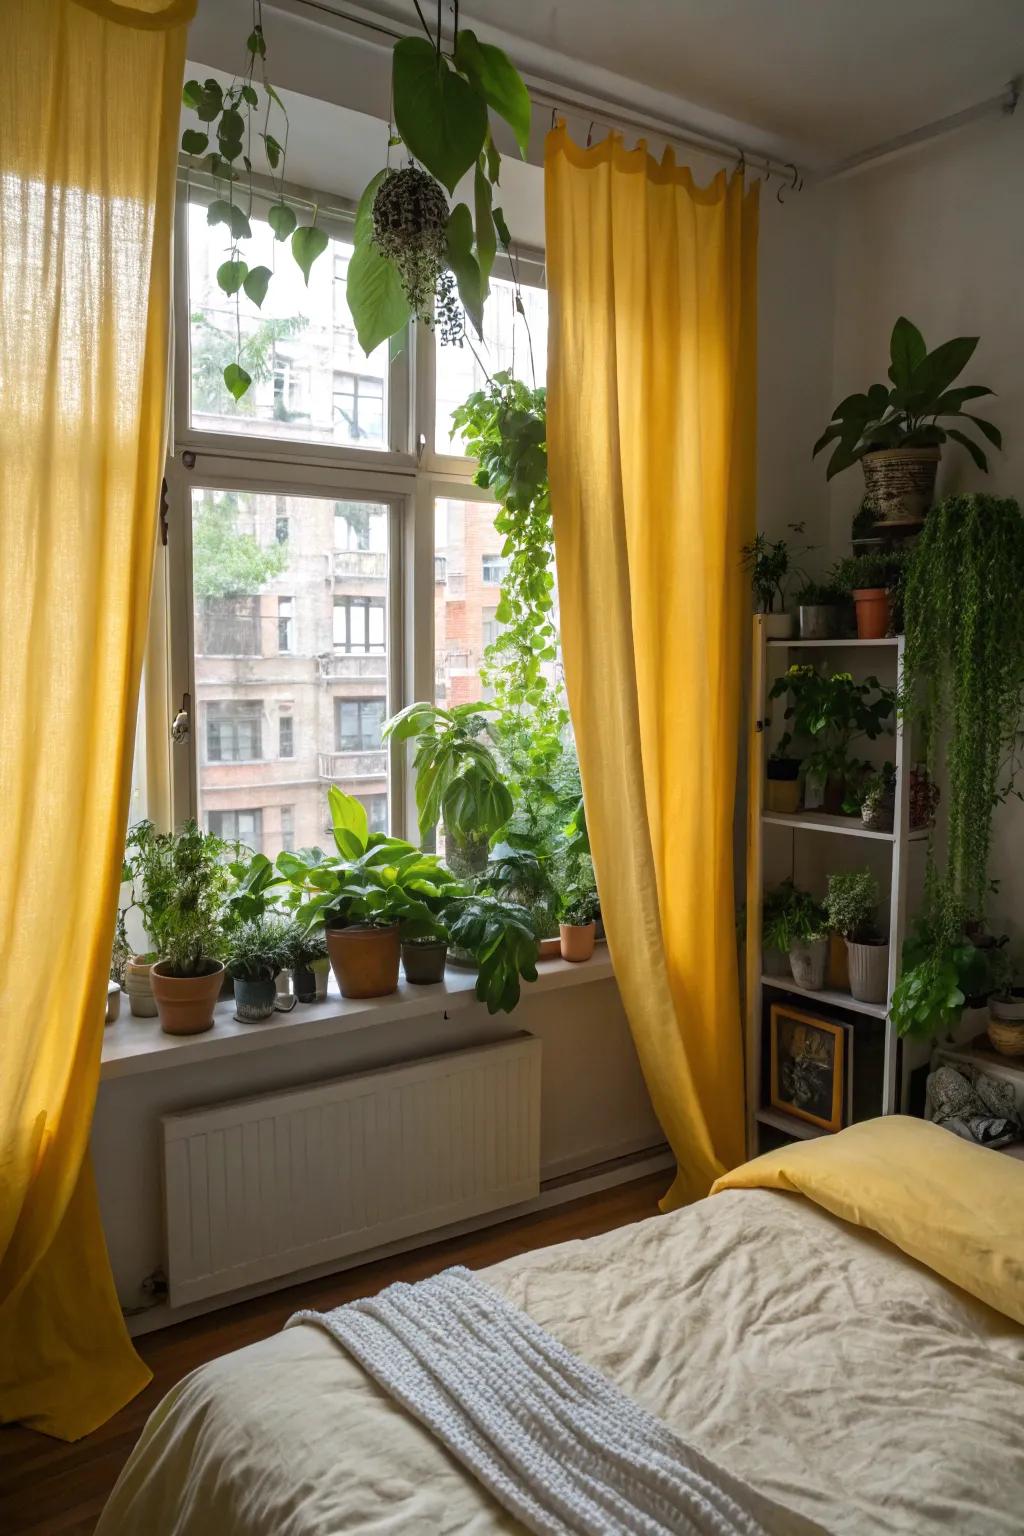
[809,1358]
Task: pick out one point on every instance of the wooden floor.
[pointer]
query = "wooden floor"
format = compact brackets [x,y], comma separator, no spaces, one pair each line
[47,1486]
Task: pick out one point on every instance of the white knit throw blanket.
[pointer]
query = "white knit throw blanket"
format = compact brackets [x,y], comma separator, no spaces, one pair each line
[553,1440]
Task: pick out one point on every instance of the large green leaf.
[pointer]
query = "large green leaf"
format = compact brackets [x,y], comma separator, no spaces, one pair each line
[993,434]
[237,380]
[972,448]
[364,213]
[308,242]
[375,297]
[282,220]
[907,351]
[486,238]
[493,73]
[348,818]
[938,370]
[231,275]
[256,284]
[465,265]
[441,117]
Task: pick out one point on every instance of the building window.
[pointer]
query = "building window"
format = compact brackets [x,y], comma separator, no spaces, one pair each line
[490,628]
[234,730]
[357,724]
[288,828]
[493,570]
[237,826]
[359,407]
[359,625]
[227,626]
[285,736]
[281,528]
[376,807]
[284,624]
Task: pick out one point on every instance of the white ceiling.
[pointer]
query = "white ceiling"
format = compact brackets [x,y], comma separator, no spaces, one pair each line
[827,78]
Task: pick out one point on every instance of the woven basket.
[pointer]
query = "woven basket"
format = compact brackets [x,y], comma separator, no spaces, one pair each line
[1007,1039]
[900,484]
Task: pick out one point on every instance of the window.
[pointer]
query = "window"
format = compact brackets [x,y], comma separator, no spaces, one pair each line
[463,531]
[357,724]
[287,821]
[490,628]
[285,736]
[376,807]
[284,624]
[493,570]
[227,626]
[281,528]
[507,343]
[234,730]
[359,625]
[237,826]
[359,407]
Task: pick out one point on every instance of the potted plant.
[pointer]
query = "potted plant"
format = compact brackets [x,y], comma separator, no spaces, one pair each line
[871,579]
[145,877]
[943,971]
[851,906]
[458,780]
[522,876]
[783,774]
[502,938]
[187,870]
[894,432]
[253,884]
[425,956]
[305,950]
[258,948]
[878,807]
[819,605]
[578,929]
[769,565]
[774,930]
[793,922]
[832,711]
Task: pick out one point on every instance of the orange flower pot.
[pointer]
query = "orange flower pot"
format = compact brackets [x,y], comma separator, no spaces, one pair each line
[577,943]
[365,959]
[186,1003]
[872,605]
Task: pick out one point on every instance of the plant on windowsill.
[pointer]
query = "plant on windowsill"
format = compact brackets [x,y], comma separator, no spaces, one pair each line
[895,432]
[832,711]
[820,608]
[851,907]
[308,961]
[523,877]
[577,928]
[875,581]
[769,564]
[257,949]
[501,937]
[186,886]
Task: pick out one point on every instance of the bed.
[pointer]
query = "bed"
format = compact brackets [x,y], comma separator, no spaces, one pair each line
[789,1327]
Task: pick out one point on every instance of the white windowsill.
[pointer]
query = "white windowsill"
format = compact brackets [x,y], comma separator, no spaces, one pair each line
[132,1046]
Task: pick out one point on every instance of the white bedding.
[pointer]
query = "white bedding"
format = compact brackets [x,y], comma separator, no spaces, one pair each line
[810,1358]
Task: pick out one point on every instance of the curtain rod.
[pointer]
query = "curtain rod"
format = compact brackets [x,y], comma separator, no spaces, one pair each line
[1005,103]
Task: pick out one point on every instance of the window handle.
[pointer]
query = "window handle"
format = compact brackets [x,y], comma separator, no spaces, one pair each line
[181,725]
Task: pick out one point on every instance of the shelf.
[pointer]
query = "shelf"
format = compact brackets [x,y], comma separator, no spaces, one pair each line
[846,826]
[826,996]
[888,640]
[800,1130]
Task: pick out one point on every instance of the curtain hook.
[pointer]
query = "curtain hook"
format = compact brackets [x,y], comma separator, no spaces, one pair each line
[741,163]
[590,134]
[554,116]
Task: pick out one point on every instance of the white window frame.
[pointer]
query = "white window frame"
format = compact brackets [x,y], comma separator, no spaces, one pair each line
[407,477]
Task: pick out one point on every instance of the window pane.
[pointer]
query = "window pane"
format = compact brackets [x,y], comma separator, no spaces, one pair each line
[465,600]
[289,636]
[311,382]
[506,345]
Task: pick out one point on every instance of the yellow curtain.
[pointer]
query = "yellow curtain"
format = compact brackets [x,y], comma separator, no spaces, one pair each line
[651,443]
[88,129]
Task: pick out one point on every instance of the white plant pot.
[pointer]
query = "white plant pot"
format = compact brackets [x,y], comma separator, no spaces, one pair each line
[779,626]
[1008,1010]
[869,971]
[139,987]
[808,959]
[321,970]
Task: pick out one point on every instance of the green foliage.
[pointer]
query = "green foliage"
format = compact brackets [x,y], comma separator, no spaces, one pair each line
[500,937]
[964,681]
[179,882]
[441,106]
[874,568]
[304,945]
[226,563]
[259,948]
[907,415]
[831,711]
[253,884]
[583,910]
[524,877]
[789,916]
[769,564]
[927,997]
[457,776]
[214,351]
[240,120]
[818,594]
[851,906]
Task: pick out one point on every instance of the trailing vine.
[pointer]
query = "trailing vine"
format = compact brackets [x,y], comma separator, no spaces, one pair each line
[964,682]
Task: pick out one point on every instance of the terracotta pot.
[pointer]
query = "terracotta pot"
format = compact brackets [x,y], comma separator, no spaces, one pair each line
[577,943]
[900,484]
[783,796]
[138,985]
[365,959]
[779,626]
[424,962]
[548,949]
[869,971]
[872,605]
[808,958]
[186,1003]
[837,974]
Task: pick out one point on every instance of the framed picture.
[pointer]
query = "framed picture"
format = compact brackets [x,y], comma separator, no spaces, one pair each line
[808,1067]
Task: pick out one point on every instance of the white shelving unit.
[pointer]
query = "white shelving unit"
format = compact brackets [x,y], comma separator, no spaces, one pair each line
[817,824]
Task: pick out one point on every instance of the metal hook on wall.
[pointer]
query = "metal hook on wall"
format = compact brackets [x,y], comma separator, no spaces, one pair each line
[741,162]
[793,185]
[590,134]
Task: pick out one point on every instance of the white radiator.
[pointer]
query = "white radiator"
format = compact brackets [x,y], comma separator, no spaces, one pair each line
[268,1186]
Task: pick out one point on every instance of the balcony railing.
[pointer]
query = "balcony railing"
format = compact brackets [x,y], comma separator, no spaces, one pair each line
[340,766]
[349,666]
[365,563]
[440,568]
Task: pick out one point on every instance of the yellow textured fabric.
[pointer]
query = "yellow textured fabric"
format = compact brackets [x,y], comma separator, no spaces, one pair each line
[651,442]
[88,129]
[947,1203]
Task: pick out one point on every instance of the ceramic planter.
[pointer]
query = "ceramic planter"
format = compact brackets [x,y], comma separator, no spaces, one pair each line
[900,484]
[304,983]
[365,959]
[423,961]
[818,621]
[577,941]
[837,973]
[869,971]
[878,813]
[139,987]
[321,971]
[113,1002]
[872,605]
[778,626]
[808,959]
[186,1003]
[254,1000]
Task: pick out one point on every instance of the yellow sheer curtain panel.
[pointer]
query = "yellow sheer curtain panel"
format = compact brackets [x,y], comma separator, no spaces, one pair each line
[88,130]
[651,443]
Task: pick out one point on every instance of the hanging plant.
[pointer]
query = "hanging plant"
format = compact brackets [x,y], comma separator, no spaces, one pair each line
[401,267]
[238,122]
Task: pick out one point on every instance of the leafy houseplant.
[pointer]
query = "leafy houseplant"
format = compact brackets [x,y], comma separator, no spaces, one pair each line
[523,877]
[851,907]
[578,927]
[186,887]
[819,605]
[792,921]
[895,431]
[875,582]
[769,565]
[307,959]
[832,711]
[501,937]
[257,949]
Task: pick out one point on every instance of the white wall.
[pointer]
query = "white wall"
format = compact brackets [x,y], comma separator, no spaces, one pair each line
[939,236]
